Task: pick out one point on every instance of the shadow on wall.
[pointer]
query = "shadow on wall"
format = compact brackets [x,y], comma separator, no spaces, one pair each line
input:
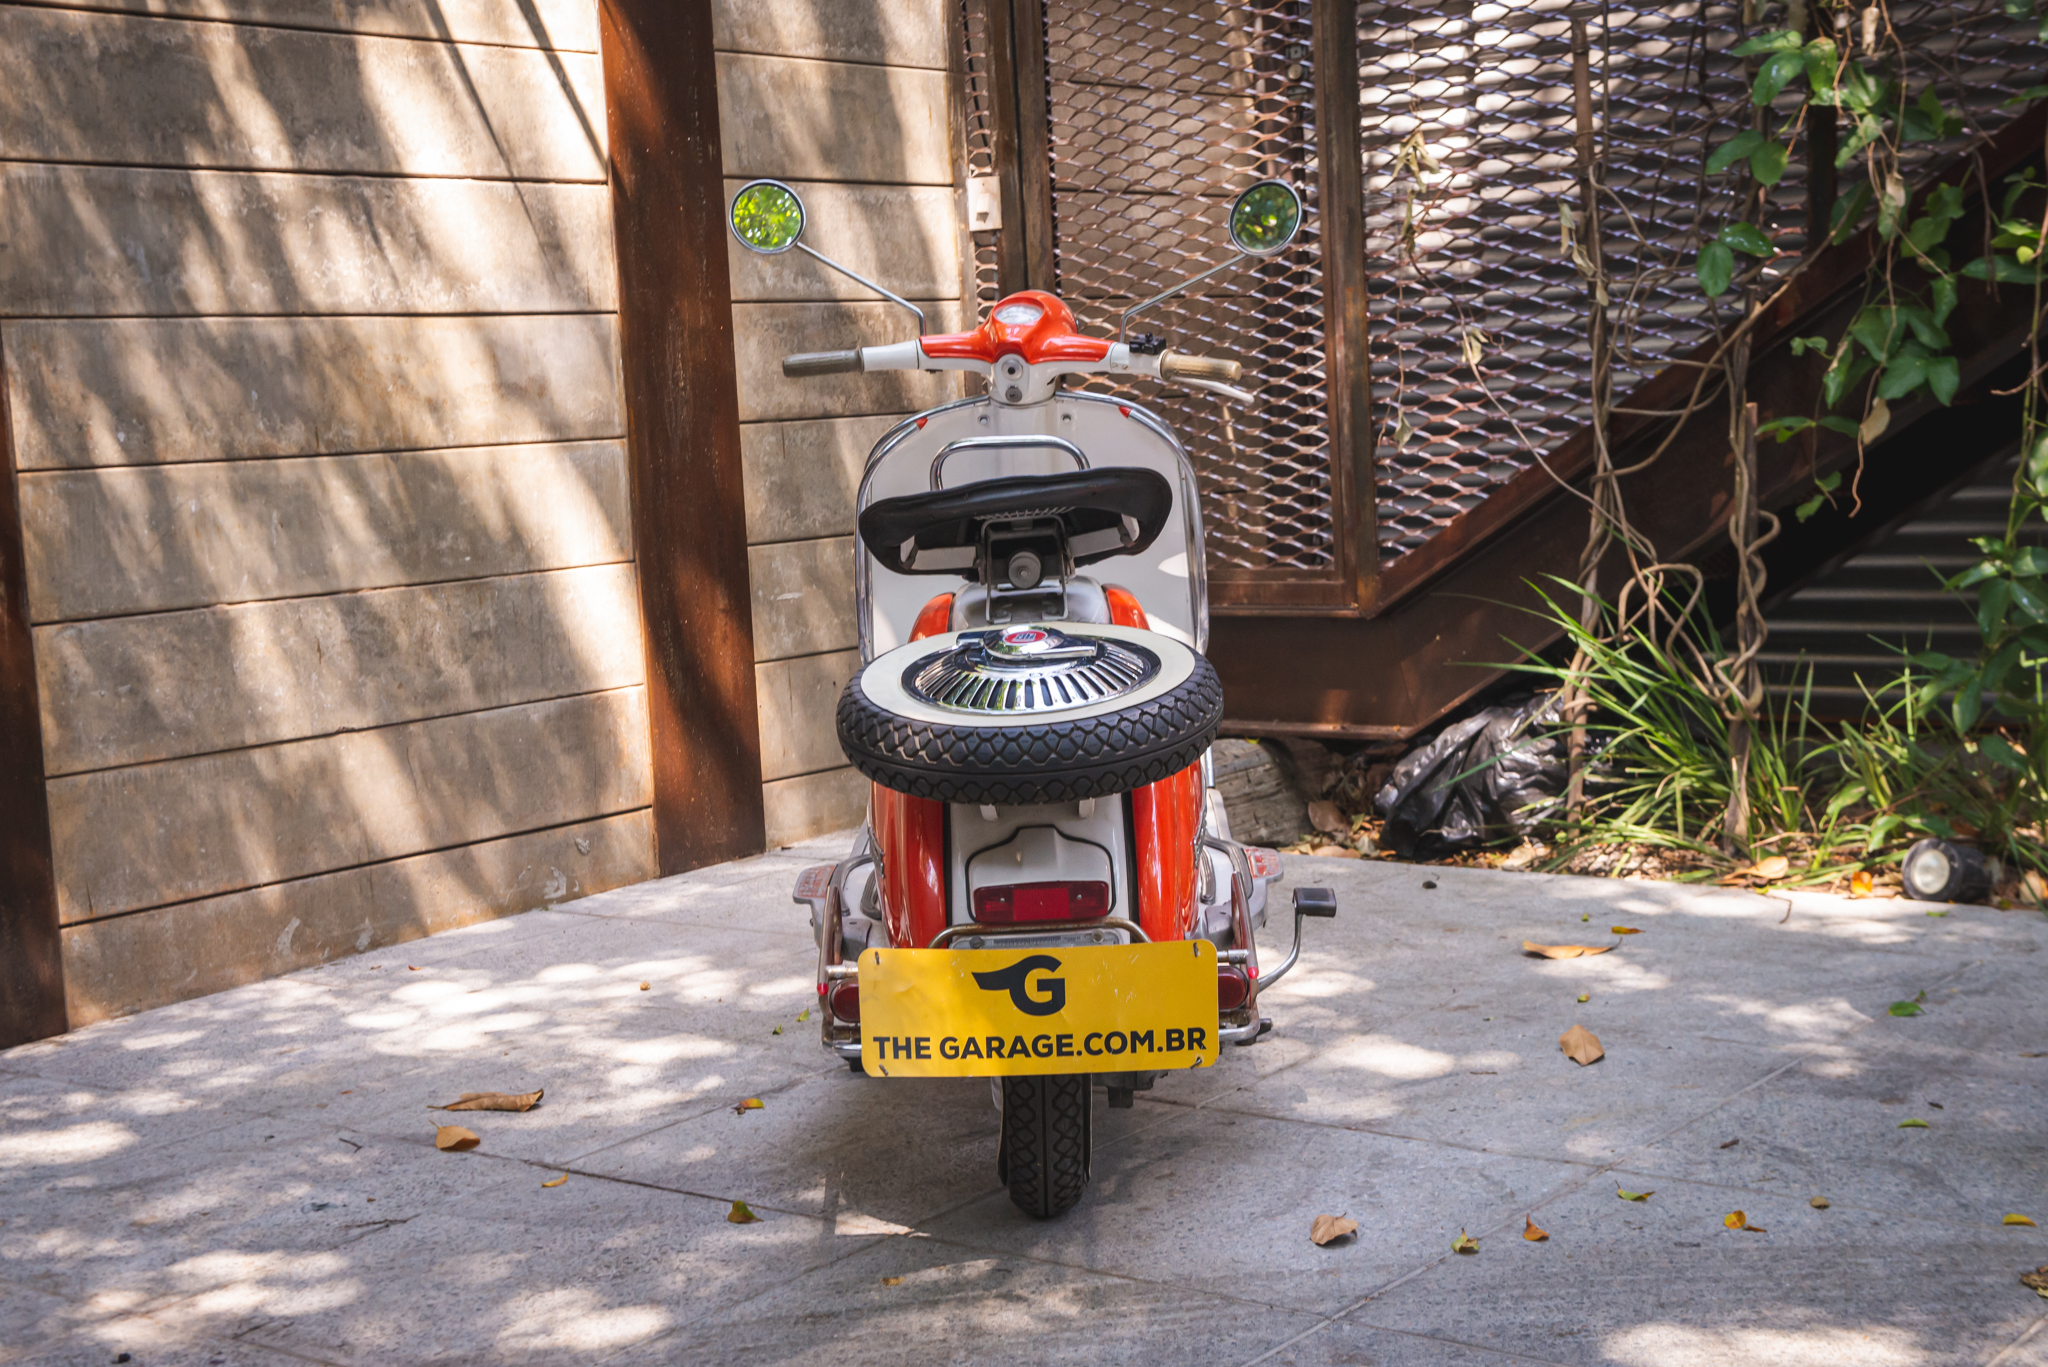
[311,346]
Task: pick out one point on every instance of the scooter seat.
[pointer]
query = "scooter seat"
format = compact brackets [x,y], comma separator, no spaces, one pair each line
[1103,513]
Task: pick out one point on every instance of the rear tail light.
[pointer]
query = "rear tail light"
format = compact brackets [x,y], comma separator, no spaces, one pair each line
[844,1002]
[1012,903]
[1232,987]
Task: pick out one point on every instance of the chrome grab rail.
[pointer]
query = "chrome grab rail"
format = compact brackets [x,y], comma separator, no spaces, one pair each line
[952,933]
[1011,443]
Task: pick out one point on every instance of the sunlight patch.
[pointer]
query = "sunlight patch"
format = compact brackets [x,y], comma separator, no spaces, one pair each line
[1391,1058]
[73,1144]
[1672,1345]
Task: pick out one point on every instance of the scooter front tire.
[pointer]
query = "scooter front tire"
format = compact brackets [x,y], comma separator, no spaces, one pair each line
[1047,1142]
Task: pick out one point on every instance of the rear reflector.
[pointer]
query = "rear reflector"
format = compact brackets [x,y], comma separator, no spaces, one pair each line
[1013,903]
[844,1002]
[1232,987]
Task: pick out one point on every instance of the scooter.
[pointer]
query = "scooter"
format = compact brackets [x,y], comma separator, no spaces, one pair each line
[1046,891]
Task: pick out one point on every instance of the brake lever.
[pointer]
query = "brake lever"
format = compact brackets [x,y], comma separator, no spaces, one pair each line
[1228,391]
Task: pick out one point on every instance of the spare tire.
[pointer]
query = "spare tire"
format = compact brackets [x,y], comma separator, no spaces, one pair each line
[1037,713]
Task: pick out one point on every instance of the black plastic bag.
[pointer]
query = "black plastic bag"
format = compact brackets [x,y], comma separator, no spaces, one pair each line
[1495,776]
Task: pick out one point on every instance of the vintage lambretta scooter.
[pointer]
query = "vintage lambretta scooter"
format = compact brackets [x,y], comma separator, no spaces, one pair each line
[1046,890]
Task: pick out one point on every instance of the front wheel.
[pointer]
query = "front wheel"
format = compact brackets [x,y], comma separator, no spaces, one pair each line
[1046,1142]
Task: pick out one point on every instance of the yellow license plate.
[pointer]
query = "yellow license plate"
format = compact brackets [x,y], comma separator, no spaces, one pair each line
[1085,1009]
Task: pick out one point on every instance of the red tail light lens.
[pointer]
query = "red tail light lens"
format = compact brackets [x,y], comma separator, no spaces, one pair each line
[1232,987]
[844,1002]
[1014,903]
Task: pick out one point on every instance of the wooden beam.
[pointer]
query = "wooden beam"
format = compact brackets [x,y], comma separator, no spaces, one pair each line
[999,85]
[1340,196]
[682,429]
[1034,143]
[31,948]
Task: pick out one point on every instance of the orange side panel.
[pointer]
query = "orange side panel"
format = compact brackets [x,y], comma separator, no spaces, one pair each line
[1166,817]
[933,618]
[911,833]
[1124,609]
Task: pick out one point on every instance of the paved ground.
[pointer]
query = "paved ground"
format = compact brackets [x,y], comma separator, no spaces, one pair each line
[250,1178]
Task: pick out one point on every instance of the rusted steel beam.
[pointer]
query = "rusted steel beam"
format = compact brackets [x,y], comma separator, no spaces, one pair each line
[682,429]
[31,947]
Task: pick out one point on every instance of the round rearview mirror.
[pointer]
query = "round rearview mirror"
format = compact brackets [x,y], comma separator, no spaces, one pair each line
[1265,218]
[767,217]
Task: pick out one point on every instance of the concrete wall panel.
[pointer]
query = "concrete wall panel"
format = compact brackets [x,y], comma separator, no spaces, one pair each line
[801,477]
[131,963]
[561,25]
[144,391]
[156,833]
[805,120]
[799,808]
[130,690]
[83,87]
[883,32]
[802,593]
[798,699]
[107,542]
[106,240]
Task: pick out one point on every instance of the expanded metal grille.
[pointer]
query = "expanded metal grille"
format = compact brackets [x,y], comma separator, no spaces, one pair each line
[1480,357]
[1161,111]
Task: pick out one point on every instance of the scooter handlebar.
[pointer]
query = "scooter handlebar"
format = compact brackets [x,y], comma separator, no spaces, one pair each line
[822,363]
[1174,366]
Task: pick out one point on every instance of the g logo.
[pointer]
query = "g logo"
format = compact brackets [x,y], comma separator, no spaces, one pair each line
[1011,980]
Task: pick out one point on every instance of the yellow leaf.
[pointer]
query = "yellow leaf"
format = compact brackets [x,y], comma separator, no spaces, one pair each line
[740,1215]
[1737,1220]
[1634,1195]
[776,1031]
[1531,1233]
[2019,1220]
[1464,1243]
[1326,1228]
[1859,883]
[1623,930]
[803,1015]
[556,1181]
[492,1101]
[1562,951]
[752,1103]
[1913,1125]
[1585,996]
[1581,1046]
[1819,1203]
[892,1281]
[454,1139]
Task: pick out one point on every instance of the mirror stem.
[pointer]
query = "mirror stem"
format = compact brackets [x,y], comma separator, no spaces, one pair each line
[863,280]
[1189,283]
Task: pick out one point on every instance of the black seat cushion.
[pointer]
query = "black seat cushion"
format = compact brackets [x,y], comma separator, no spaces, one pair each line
[1084,501]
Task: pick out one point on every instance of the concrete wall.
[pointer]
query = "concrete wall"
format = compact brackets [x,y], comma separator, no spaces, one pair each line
[855,104]
[308,315]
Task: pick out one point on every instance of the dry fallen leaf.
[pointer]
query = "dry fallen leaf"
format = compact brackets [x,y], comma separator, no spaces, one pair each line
[1737,1220]
[1324,816]
[1634,1195]
[892,1281]
[1335,852]
[740,1215]
[2019,1220]
[1531,1233]
[1329,1227]
[752,1103]
[1581,1046]
[1562,951]
[2037,1279]
[1820,1203]
[492,1101]
[1859,883]
[1585,996]
[1776,866]
[803,1015]
[1623,930]
[1464,1243]
[412,968]
[556,1181]
[454,1138]
[645,986]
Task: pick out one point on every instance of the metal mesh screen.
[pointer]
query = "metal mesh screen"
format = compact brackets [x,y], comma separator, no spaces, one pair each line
[1479,345]
[980,144]
[1161,111]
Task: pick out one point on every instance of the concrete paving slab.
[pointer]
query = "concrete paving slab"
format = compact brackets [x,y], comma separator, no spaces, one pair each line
[159,1176]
